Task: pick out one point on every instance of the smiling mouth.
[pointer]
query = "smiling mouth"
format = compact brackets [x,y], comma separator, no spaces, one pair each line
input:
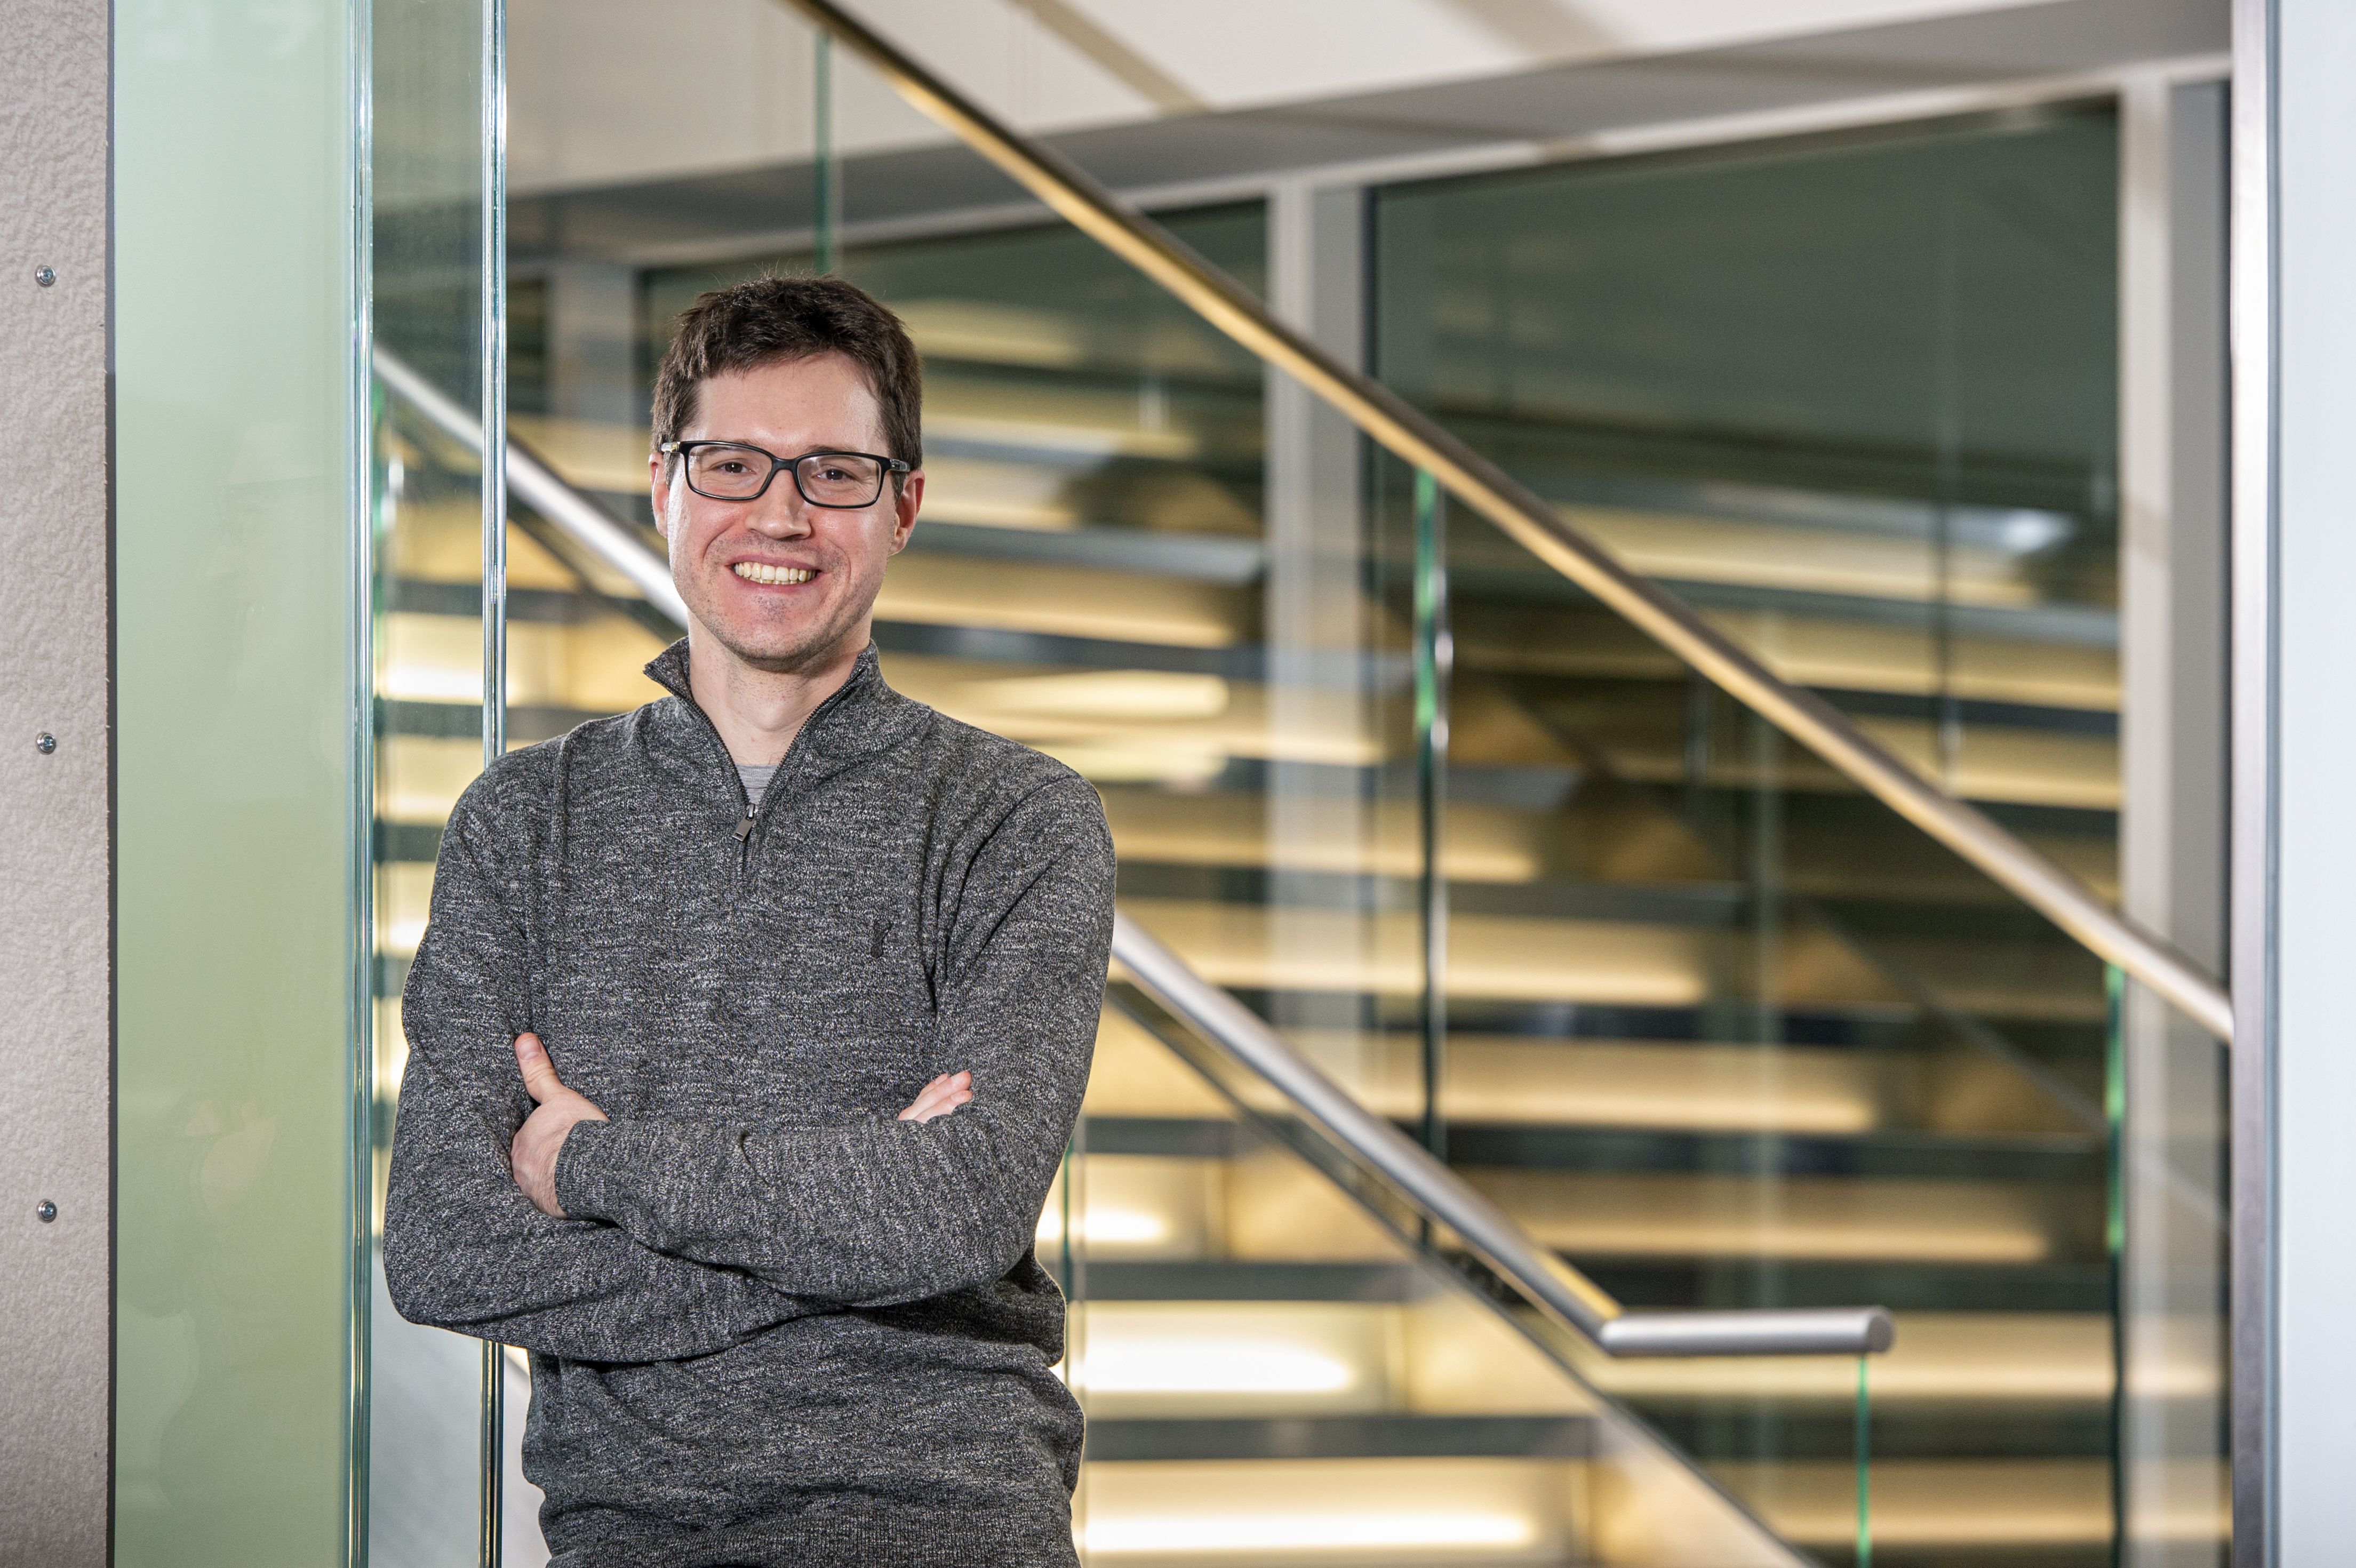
[754,571]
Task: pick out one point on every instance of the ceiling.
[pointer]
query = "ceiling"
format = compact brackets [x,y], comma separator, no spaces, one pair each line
[625,152]
[598,97]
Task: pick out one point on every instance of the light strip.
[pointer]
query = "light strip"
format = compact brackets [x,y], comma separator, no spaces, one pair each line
[1165,1535]
[1156,1365]
[1107,1227]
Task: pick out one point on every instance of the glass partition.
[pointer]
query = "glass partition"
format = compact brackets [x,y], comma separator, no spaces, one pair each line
[1711,1024]
[425,697]
[1435,844]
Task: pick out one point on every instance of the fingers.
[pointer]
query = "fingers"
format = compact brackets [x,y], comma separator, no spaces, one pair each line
[540,1080]
[940,1097]
[927,1102]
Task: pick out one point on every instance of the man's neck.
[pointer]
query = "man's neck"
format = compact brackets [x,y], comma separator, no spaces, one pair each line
[758,712]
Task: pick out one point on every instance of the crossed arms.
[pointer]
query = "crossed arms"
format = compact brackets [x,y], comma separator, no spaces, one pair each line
[533,1152]
[655,1239]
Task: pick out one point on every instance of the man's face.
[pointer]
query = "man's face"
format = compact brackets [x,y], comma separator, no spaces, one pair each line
[791,408]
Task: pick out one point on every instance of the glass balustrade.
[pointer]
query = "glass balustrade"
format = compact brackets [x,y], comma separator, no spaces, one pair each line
[1711,1024]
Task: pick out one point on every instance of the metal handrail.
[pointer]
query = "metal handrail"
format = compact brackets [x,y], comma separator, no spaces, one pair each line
[541,489]
[1559,1291]
[1437,1190]
[1414,436]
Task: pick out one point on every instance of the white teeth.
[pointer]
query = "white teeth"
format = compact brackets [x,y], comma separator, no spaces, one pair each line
[754,571]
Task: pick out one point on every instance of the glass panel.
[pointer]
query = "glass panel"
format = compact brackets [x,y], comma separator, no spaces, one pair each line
[426,1398]
[239,474]
[1733,1034]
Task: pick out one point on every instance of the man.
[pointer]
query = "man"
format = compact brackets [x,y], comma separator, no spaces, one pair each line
[803,977]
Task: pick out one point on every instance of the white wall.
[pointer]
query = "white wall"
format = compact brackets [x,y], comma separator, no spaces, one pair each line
[2294,1019]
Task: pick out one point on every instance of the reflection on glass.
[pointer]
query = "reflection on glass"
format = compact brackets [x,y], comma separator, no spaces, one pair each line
[1724,1031]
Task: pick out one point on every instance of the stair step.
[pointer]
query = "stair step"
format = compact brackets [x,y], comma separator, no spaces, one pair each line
[1345,1437]
[1985,1507]
[2027,1161]
[1270,1207]
[2041,1161]
[1671,1284]
[1231,1280]
[1337,1513]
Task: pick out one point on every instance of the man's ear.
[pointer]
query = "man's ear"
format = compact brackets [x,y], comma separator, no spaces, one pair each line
[658,489]
[903,511]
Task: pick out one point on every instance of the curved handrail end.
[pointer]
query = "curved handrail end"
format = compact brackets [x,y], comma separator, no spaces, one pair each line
[1798,1331]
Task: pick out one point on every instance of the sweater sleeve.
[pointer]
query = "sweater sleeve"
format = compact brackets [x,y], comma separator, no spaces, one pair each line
[876,1211]
[464,1248]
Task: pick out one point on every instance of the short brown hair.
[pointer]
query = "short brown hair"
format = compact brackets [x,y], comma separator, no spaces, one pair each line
[731,330]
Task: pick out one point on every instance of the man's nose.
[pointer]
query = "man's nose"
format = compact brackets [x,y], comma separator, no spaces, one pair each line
[781,513]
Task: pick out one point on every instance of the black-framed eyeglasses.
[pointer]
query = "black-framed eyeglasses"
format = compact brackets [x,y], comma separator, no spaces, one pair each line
[739,471]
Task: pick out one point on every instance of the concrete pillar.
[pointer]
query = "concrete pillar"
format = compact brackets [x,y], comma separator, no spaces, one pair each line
[56,785]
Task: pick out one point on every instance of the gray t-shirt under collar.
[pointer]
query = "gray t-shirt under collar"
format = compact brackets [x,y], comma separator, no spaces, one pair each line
[757,779]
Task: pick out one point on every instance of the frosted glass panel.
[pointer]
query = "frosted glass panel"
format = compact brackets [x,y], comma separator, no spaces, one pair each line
[236,468]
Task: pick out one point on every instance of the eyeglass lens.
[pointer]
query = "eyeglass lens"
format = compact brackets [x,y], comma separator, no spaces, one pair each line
[732,473]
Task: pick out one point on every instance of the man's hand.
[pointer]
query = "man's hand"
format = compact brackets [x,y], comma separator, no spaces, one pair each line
[542,1136]
[938,1098]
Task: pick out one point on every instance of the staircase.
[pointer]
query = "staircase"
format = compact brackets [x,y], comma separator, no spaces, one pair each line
[1719,1031]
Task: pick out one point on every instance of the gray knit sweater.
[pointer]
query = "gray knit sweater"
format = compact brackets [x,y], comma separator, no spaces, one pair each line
[778,1326]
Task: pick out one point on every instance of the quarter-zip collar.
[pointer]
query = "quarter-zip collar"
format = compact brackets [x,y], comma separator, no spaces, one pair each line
[862,717]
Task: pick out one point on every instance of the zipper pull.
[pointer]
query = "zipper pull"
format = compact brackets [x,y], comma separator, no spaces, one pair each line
[744,828]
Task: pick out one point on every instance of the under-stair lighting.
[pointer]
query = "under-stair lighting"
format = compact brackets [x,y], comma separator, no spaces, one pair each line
[411,681]
[1377,1534]
[1117,763]
[1129,696]
[1211,1364]
[1107,1227]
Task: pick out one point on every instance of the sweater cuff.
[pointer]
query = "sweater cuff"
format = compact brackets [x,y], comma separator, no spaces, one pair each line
[592,1177]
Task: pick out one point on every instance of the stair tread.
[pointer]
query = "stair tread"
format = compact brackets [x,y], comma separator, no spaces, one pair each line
[1376,1436]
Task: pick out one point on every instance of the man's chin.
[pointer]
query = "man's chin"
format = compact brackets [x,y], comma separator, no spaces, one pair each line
[775,651]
